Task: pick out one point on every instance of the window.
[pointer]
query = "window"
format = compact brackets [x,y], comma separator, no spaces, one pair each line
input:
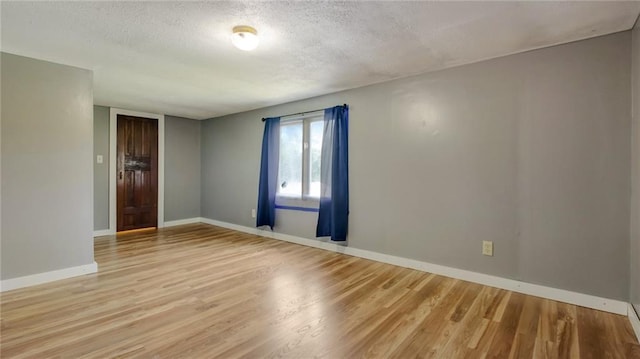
[300,157]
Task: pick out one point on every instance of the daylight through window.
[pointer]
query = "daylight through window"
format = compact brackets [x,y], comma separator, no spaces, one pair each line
[300,157]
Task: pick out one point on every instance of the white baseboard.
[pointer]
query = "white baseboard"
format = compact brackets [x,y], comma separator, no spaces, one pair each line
[635,321]
[237,227]
[40,278]
[103,232]
[561,295]
[180,222]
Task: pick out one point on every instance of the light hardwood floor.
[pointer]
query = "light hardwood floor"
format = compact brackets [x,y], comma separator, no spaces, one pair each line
[199,291]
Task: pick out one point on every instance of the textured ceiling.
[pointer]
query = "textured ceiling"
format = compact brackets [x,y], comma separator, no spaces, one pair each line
[176,57]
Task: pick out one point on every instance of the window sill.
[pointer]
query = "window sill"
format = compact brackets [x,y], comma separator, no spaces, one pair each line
[297,204]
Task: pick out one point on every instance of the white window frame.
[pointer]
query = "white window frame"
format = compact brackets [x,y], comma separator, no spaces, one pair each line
[304,200]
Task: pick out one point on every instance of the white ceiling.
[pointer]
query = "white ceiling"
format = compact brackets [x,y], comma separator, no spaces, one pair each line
[176,57]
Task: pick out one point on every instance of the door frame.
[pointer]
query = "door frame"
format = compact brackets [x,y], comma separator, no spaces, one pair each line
[113,141]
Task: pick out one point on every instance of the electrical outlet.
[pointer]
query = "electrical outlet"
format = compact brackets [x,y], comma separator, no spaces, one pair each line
[253,213]
[487,248]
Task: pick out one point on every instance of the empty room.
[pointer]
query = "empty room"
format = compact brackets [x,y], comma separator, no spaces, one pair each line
[320,179]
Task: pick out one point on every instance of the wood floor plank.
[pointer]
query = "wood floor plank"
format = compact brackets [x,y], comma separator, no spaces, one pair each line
[199,291]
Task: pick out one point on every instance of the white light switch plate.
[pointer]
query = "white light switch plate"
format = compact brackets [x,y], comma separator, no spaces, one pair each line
[99,159]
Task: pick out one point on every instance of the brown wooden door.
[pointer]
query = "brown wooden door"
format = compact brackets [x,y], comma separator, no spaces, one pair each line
[137,173]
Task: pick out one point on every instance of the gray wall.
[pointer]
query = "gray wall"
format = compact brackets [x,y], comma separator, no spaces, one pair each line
[46,165]
[530,151]
[635,161]
[101,171]
[182,168]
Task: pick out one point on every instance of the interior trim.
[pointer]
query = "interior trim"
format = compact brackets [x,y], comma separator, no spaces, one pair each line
[45,277]
[180,222]
[103,232]
[561,295]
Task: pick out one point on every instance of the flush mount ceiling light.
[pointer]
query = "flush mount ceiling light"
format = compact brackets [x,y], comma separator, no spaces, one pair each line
[245,37]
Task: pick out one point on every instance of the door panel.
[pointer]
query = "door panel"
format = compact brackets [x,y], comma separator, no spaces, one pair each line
[137,172]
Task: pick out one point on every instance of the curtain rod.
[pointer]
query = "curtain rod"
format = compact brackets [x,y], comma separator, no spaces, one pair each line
[302,113]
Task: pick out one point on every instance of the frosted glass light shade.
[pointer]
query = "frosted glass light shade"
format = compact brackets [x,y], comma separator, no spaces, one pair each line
[245,38]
